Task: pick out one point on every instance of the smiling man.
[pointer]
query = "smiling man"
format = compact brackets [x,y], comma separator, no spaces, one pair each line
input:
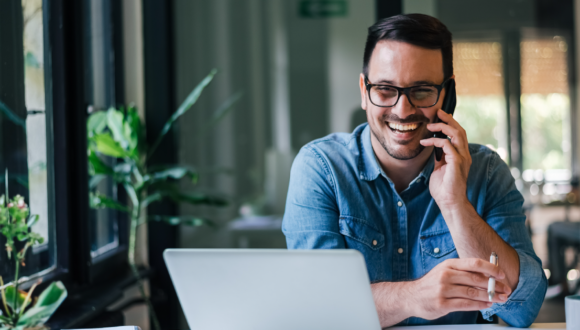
[426,228]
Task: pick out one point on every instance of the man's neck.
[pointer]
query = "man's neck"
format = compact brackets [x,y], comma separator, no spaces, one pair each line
[401,172]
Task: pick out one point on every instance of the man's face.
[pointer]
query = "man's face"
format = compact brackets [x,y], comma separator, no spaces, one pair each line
[399,129]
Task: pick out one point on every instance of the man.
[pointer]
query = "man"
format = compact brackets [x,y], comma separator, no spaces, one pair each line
[426,228]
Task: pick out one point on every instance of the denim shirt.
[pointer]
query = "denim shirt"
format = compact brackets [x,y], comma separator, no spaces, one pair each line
[339,198]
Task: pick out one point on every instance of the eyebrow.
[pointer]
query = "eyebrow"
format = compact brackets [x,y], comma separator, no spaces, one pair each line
[414,83]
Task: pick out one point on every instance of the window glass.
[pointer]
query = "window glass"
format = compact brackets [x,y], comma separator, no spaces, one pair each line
[23,126]
[480,93]
[100,94]
[545,110]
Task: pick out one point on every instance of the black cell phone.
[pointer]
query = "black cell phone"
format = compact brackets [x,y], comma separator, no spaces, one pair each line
[448,106]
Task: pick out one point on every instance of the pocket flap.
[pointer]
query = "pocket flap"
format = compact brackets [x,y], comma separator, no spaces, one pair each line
[361,231]
[437,244]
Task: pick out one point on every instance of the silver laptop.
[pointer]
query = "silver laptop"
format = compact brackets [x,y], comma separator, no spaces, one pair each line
[250,289]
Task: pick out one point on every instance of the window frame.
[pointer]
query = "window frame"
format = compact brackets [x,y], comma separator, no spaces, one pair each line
[67,164]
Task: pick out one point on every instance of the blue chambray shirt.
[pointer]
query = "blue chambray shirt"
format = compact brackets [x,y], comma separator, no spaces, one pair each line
[339,198]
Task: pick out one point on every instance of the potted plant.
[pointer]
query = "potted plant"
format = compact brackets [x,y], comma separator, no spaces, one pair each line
[120,134]
[20,310]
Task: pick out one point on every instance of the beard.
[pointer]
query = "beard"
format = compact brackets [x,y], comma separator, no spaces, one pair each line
[406,153]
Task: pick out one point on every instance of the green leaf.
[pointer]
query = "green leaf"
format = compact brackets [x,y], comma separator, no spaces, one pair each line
[186,105]
[154,197]
[35,238]
[32,220]
[123,172]
[97,123]
[95,180]
[133,129]
[221,112]
[5,320]
[47,303]
[176,173]
[107,146]
[100,201]
[9,292]
[97,166]
[115,124]
[182,220]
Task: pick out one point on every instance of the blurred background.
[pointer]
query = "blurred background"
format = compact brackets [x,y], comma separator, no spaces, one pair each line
[296,64]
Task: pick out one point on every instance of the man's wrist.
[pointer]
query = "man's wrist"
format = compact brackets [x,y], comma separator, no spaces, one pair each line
[457,210]
[393,301]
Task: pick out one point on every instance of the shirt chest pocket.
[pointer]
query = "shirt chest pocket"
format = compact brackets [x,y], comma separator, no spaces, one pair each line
[368,240]
[435,248]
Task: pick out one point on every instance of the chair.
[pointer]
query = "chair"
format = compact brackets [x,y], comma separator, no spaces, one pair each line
[562,235]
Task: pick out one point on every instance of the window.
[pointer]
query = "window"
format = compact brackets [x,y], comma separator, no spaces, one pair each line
[44,97]
[24,145]
[545,109]
[480,93]
[100,95]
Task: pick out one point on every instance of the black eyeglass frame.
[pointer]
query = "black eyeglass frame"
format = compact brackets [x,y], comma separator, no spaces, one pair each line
[404,90]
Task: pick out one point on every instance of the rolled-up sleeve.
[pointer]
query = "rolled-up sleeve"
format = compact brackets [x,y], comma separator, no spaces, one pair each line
[505,215]
[311,213]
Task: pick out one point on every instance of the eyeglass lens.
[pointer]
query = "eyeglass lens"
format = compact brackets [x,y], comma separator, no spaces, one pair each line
[421,96]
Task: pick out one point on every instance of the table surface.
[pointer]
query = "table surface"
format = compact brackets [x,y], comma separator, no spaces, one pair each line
[545,326]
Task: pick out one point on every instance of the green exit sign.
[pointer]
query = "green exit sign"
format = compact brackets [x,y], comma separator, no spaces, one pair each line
[323,8]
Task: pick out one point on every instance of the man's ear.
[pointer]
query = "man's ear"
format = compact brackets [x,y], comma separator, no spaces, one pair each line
[363,91]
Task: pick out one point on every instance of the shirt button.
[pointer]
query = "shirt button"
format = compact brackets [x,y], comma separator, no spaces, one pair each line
[375,242]
[418,180]
[400,203]
[400,250]
[436,250]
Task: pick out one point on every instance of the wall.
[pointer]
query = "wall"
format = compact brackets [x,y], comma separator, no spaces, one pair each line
[346,41]
[299,77]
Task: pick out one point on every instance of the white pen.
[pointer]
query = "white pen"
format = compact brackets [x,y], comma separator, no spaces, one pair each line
[494,259]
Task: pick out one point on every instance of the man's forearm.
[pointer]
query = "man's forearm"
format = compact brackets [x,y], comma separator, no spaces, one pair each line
[391,301]
[474,238]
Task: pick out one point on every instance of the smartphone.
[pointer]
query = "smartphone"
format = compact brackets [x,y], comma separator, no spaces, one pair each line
[448,106]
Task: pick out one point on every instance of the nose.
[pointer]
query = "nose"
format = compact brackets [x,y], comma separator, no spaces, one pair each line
[403,108]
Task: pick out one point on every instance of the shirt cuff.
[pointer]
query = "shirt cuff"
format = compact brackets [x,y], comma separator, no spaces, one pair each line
[531,276]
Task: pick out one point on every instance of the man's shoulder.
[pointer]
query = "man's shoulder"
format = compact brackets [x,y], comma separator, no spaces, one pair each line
[482,153]
[337,145]
[486,162]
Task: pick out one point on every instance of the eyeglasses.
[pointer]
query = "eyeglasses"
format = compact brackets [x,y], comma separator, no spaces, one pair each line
[422,96]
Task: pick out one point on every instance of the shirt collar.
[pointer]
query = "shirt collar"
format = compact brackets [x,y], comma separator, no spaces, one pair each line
[369,167]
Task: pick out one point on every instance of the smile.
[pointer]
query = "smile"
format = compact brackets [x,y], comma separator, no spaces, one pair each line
[403,127]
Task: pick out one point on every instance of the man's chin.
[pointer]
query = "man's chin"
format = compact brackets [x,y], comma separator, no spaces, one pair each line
[399,149]
[404,152]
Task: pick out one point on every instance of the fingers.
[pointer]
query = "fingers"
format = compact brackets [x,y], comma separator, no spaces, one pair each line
[471,293]
[476,265]
[445,144]
[478,280]
[457,137]
[447,118]
[451,128]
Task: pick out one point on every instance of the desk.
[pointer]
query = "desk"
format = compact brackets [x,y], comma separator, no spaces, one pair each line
[545,326]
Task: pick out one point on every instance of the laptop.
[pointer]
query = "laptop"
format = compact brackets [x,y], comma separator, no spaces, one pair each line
[255,289]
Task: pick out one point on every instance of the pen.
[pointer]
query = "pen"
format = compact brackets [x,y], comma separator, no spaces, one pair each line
[494,259]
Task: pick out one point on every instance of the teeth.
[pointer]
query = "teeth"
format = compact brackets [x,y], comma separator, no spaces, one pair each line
[401,127]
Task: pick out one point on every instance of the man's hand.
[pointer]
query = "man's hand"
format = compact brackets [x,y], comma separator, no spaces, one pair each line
[451,286]
[448,183]
[457,285]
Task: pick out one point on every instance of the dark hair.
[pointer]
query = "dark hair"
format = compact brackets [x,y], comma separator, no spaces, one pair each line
[416,29]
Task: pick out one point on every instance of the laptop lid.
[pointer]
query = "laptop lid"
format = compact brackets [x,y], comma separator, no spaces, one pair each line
[251,289]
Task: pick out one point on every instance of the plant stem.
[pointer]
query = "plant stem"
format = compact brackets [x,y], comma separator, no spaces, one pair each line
[27,300]
[15,316]
[4,298]
[132,239]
